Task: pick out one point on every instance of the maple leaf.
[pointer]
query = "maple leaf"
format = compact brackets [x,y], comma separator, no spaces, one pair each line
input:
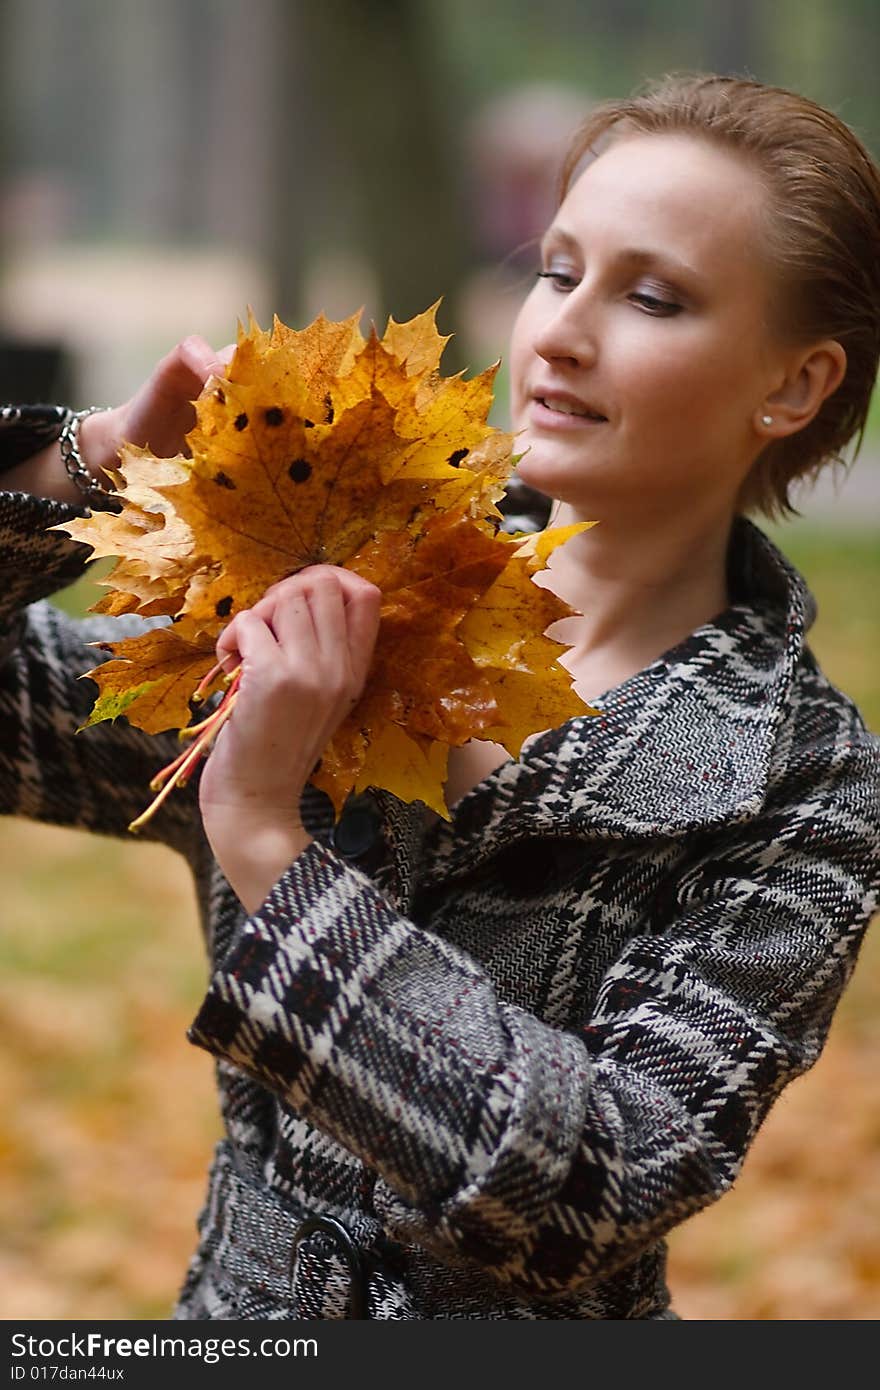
[156,544]
[151,680]
[504,634]
[133,532]
[321,446]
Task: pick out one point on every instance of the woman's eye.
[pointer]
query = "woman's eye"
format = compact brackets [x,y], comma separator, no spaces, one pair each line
[561,279]
[653,304]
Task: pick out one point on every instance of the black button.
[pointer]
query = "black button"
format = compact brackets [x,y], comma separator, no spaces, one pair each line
[526,869]
[359,829]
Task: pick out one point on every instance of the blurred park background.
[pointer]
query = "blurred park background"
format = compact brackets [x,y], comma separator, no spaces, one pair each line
[166,164]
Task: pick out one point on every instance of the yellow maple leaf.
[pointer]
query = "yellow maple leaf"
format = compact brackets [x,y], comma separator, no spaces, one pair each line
[320,446]
[151,680]
[504,633]
[155,542]
[132,533]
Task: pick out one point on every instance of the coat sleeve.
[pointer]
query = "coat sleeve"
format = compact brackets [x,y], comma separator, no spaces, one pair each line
[26,429]
[97,779]
[551,1156]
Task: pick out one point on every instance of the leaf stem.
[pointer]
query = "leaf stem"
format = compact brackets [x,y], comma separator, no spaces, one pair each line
[178,772]
[203,689]
[193,730]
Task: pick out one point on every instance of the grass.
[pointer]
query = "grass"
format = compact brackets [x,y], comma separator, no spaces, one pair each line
[872,425]
[109,1114]
[842,568]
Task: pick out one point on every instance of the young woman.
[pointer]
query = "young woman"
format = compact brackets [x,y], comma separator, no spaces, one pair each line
[477,1070]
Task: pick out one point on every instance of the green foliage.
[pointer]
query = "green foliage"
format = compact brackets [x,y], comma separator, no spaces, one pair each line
[842,567]
[824,48]
[872,428]
[77,598]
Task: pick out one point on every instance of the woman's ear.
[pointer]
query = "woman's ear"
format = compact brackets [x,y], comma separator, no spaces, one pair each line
[811,377]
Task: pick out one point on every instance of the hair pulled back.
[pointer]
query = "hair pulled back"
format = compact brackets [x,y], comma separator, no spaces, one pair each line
[820,238]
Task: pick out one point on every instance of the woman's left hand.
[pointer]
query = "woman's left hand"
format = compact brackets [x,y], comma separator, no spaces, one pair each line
[305,650]
[161,413]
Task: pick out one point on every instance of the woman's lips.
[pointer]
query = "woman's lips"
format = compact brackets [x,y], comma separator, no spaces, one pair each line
[558,413]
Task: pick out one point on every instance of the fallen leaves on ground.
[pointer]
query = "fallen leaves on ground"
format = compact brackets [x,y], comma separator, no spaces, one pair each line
[110,1116]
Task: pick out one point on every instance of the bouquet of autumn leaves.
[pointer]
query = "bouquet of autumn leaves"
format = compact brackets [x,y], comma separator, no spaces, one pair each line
[320,446]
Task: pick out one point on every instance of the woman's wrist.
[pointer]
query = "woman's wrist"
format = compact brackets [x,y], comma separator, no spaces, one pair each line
[89,446]
[253,852]
[100,439]
[71,469]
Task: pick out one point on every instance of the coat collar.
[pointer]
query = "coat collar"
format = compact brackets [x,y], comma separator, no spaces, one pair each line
[683,745]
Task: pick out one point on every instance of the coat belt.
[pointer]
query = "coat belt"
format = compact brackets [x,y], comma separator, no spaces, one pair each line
[317,1262]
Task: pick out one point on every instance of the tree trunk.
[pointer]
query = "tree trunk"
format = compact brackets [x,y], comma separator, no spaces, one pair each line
[377,119]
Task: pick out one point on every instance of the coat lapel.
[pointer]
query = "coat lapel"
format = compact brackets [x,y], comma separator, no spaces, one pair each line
[685,744]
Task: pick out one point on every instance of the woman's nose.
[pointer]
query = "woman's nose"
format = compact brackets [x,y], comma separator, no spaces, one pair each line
[568,335]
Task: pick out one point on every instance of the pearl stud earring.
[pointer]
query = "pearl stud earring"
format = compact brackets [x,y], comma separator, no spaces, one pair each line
[766,419]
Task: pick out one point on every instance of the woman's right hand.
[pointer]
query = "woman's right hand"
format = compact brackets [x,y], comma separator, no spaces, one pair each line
[304,651]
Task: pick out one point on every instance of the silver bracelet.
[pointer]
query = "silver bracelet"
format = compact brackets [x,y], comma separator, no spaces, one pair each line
[68,443]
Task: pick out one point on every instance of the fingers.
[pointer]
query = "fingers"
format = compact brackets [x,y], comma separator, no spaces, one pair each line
[324,614]
[304,650]
[320,591]
[349,582]
[161,413]
[183,372]
[362,614]
[253,640]
[226,649]
[249,637]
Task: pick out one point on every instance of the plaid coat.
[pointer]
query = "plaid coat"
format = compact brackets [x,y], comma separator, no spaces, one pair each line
[508,1054]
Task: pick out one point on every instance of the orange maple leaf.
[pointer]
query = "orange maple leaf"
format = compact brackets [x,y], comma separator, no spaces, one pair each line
[319,446]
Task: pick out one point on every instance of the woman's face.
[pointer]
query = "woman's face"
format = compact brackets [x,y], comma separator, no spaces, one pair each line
[640,362]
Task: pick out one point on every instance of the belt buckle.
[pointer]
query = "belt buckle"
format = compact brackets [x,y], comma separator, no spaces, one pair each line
[329,1226]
